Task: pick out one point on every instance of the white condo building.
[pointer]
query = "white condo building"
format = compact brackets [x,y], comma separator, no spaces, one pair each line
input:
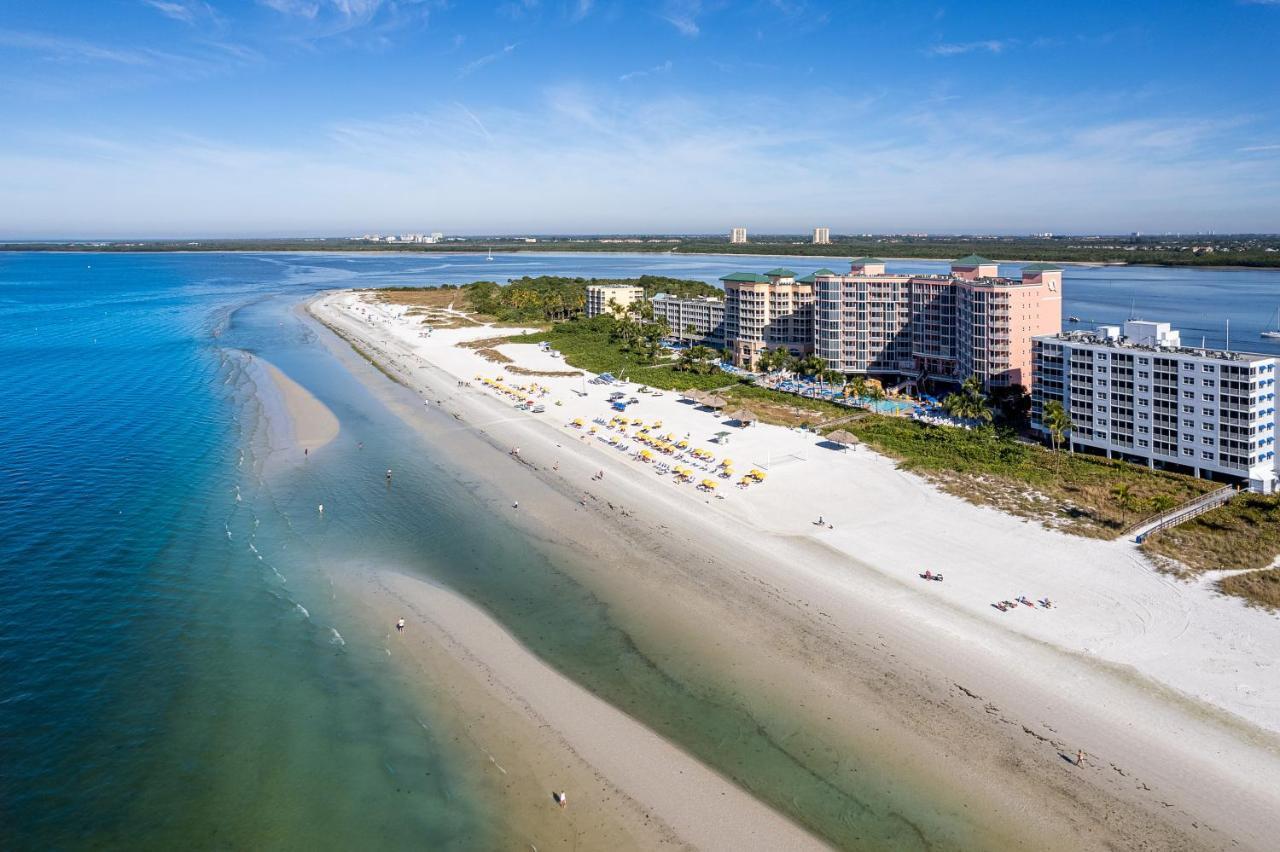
[1137,393]
[696,319]
[822,236]
[738,235]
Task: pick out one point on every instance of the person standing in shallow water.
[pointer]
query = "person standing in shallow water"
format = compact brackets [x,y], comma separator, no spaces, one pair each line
[400,626]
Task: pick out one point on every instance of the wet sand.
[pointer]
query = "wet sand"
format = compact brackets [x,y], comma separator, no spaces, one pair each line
[926,712]
[311,424]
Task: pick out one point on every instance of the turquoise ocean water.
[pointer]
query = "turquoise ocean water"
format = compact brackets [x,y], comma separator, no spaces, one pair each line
[171,671]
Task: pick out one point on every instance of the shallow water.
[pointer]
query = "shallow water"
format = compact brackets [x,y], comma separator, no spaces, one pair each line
[174,667]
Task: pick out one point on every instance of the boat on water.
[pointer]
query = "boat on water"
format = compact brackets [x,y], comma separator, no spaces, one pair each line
[490,257]
[1073,319]
[1272,332]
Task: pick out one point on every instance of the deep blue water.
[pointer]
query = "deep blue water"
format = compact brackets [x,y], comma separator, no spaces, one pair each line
[162,681]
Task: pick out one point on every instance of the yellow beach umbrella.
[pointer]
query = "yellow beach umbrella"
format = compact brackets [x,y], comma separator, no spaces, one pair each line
[708,483]
[726,463]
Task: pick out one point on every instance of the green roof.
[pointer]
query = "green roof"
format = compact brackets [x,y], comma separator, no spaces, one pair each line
[825,271]
[862,261]
[780,273]
[1041,267]
[805,279]
[812,277]
[750,277]
[972,260]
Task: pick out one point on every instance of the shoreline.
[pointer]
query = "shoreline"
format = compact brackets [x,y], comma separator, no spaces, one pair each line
[1131,753]
[1090,264]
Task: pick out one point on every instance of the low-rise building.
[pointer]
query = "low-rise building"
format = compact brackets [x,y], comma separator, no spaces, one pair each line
[693,319]
[601,296]
[1135,392]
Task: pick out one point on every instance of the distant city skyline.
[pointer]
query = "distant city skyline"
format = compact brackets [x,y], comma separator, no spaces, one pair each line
[212,118]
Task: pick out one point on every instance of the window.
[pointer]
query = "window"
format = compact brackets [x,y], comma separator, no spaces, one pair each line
[1189,423]
[1188,452]
[1206,455]
[1187,366]
[1144,374]
[1188,380]
[1188,409]
[1188,395]
[1207,441]
[1142,415]
[1208,397]
[1208,383]
[1187,436]
[1208,427]
[1141,442]
[1143,430]
[1209,368]
[1208,412]
[1143,388]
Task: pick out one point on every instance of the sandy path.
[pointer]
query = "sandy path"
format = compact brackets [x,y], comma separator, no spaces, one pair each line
[1161,770]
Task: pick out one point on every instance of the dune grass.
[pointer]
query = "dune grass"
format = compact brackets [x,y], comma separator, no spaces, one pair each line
[1243,534]
[1075,493]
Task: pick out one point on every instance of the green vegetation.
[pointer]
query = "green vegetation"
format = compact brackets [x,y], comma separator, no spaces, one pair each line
[546,298]
[1260,588]
[1227,249]
[1078,494]
[607,344]
[1243,533]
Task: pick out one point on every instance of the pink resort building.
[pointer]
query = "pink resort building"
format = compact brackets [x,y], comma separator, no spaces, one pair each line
[970,321]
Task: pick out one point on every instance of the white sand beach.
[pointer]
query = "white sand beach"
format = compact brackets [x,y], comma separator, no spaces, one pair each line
[1172,691]
[311,425]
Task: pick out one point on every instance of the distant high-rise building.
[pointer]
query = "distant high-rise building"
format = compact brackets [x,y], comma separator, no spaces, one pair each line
[821,236]
[738,235]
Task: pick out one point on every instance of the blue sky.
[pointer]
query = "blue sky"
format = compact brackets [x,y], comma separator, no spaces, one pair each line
[290,117]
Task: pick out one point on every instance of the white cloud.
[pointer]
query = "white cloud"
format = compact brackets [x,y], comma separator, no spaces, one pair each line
[683,15]
[186,11]
[958,49]
[488,59]
[572,161]
[1256,148]
[644,72]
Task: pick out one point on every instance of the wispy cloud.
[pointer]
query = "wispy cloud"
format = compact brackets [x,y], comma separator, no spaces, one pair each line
[488,59]
[1257,148]
[644,72]
[961,48]
[71,49]
[683,15]
[580,9]
[322,19]
[186,11]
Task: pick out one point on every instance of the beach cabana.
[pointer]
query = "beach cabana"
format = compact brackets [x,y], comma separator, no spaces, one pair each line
[713,401]
[843,438]
[693,394]
[742,417]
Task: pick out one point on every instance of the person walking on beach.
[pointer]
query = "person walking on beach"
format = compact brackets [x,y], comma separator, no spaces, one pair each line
[400,626]
[1080,757]
[562,798]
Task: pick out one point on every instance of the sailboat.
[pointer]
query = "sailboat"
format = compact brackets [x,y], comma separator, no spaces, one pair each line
[490,257]
[1273,332]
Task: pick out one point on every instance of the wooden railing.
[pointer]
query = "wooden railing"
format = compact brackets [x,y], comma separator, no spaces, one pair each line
[1187,511]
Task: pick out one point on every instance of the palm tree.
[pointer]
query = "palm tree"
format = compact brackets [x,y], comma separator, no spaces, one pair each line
[1057,421]
[858,387]
[1123,495]
[969,403]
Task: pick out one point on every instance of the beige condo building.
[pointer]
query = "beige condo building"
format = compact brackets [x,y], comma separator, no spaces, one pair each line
[601,296]
[769,311]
